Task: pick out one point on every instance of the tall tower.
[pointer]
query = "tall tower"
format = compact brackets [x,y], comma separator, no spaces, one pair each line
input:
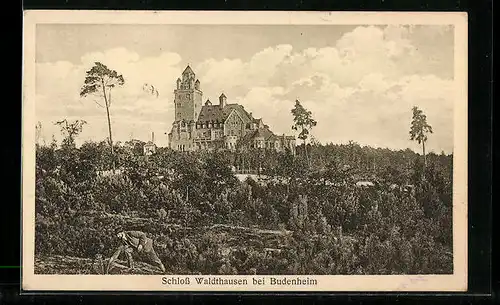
[188,96]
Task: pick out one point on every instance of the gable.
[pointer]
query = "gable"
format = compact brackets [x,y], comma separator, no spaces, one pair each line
[240,110]
[234,115]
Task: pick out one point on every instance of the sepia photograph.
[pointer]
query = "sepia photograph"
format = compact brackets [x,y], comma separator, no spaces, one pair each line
[204,151]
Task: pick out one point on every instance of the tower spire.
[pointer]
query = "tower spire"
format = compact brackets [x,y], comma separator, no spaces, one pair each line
[188,70]
[188,96]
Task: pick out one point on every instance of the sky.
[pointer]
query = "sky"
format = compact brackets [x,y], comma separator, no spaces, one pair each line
[359,82]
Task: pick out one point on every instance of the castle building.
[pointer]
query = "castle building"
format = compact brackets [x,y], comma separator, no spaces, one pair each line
[199,126]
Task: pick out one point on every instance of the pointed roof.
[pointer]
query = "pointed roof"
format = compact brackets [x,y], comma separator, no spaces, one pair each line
[211,112]
[241,111]
[197,81]
[188,70]
[222,95]
[263,133]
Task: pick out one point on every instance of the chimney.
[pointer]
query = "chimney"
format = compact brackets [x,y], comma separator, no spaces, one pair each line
[153,137]
[222,100]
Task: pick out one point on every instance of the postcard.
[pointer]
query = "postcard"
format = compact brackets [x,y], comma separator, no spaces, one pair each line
[244,151]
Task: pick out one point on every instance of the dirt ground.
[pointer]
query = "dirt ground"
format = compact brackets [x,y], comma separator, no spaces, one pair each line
[58,264]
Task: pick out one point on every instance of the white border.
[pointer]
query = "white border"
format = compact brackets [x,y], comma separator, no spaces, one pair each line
[455,282]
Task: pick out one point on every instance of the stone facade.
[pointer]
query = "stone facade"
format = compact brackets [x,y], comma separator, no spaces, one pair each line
[221,126]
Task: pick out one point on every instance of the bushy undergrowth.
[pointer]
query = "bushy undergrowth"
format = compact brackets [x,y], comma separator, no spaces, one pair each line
[321,222]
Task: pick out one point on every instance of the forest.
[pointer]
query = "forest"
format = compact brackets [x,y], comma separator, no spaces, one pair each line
[306,215]
[321,209]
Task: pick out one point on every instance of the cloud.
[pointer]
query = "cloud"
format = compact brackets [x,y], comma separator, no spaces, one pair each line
[360,88]
[269,104]
[376,111]
[58,86]
[236,77]
[357,53]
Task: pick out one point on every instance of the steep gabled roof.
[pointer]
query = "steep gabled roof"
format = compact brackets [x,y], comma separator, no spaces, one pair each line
[215,113]
[230,113]
[264,133]
[273,137]
[210,113]
[248,137]
[241,111]
[188,70]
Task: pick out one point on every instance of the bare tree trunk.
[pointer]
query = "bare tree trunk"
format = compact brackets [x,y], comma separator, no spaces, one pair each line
[109,123]
[110,138]
[305,152]
[425,160]
[423,150]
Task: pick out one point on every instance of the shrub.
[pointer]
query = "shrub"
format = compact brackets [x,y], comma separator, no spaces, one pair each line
[177,198]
